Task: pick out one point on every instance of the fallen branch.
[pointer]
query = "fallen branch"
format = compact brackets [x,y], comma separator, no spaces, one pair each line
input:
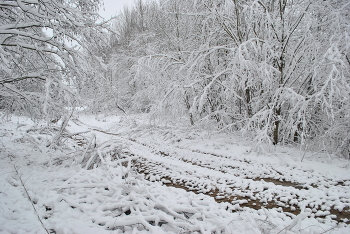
[31,201]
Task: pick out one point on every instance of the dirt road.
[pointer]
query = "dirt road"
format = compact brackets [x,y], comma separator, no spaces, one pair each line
[233,176]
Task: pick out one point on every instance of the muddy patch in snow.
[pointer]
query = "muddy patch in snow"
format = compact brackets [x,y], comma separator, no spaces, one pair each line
[152,174]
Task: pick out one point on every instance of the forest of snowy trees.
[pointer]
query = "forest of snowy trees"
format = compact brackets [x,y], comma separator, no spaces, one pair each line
[276,69]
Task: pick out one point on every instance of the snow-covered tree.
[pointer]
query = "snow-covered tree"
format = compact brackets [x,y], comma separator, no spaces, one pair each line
[277,68]
[302,78]
[39,50]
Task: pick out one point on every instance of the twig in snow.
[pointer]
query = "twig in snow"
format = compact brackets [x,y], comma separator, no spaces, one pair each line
[266,221]
[86,150]
[173,213]
[329,230]
[324,231]
[304,153]
[31,201]
[230,222]
[121,167]
[298,219]
[57,138]
[9,154]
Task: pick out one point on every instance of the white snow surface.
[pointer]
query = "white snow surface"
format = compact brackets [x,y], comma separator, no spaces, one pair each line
[230,188]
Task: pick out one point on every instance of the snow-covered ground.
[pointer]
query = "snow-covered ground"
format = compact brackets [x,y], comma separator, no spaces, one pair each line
[144,178]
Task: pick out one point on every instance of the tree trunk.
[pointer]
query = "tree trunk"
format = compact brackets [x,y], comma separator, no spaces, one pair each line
[188,106]
[276,127]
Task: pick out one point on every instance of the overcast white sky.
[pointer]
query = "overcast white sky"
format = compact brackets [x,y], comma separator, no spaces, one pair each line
[113,7]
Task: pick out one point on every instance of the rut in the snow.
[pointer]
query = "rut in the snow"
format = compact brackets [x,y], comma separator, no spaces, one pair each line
[250,200]
[281,182]
[243,201]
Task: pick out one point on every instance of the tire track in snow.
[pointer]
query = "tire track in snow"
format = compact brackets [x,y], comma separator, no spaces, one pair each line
[246,199]
[225,166]
[250,196]
[207,187]
[255,193]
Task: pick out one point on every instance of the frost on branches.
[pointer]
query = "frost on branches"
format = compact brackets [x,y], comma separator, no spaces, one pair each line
[39,43]
[277,69]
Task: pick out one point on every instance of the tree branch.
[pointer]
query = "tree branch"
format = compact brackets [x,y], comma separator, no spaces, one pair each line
[14,79]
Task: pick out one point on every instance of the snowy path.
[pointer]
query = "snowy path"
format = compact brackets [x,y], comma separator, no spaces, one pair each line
[242,182]
[195,183]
